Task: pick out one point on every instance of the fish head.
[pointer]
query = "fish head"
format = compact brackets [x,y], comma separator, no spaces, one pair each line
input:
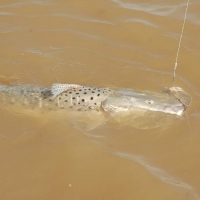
[127,100]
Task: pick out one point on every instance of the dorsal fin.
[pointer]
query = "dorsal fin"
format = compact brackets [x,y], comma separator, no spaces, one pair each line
[58,88]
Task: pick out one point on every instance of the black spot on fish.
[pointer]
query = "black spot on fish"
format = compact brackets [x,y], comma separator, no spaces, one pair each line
[93,91]
[83,100]
[60,98]
[85,92]
[70,92]
[98,95]
[73,98]
[95,103]
[66,95]
[74,103]
[77,93]
[99,90]
[66,101]
[80,90]
[91,98]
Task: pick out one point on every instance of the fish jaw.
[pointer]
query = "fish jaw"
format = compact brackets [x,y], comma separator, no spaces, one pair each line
[179,94]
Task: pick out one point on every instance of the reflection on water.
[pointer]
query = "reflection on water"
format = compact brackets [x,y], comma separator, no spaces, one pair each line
[116,44]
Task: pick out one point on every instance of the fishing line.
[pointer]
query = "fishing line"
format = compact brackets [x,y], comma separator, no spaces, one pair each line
[176,62]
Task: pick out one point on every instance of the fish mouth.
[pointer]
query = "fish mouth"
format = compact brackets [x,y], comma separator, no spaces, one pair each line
[172,101]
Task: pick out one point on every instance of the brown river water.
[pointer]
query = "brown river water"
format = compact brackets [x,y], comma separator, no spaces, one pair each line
[115,44]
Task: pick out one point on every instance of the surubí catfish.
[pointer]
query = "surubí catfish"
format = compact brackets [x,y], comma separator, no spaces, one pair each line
[76,97]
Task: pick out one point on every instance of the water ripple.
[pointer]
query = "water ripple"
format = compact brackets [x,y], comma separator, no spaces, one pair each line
[33,2]
[159,173]
[142,21]
[162,10]
[7,13]
[82,18]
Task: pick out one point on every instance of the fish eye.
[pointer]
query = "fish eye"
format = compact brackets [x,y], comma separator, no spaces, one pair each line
[149,101]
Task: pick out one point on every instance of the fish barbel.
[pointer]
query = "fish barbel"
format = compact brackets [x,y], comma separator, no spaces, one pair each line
[76,97]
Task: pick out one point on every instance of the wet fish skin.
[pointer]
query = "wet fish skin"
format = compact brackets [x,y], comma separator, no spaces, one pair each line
[29,96]
[79,98]
[128,99]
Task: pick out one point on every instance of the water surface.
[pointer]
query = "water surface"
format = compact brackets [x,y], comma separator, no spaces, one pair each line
[116,44]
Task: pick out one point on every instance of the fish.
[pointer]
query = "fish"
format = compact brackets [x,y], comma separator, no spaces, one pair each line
[85,98]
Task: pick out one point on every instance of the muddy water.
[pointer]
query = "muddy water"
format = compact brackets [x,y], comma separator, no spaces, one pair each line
[117,44]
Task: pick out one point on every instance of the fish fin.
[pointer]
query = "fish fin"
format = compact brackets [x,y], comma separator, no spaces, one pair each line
[58,88]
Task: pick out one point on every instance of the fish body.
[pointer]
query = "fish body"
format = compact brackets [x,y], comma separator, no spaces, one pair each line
[83,98]
[73,98]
